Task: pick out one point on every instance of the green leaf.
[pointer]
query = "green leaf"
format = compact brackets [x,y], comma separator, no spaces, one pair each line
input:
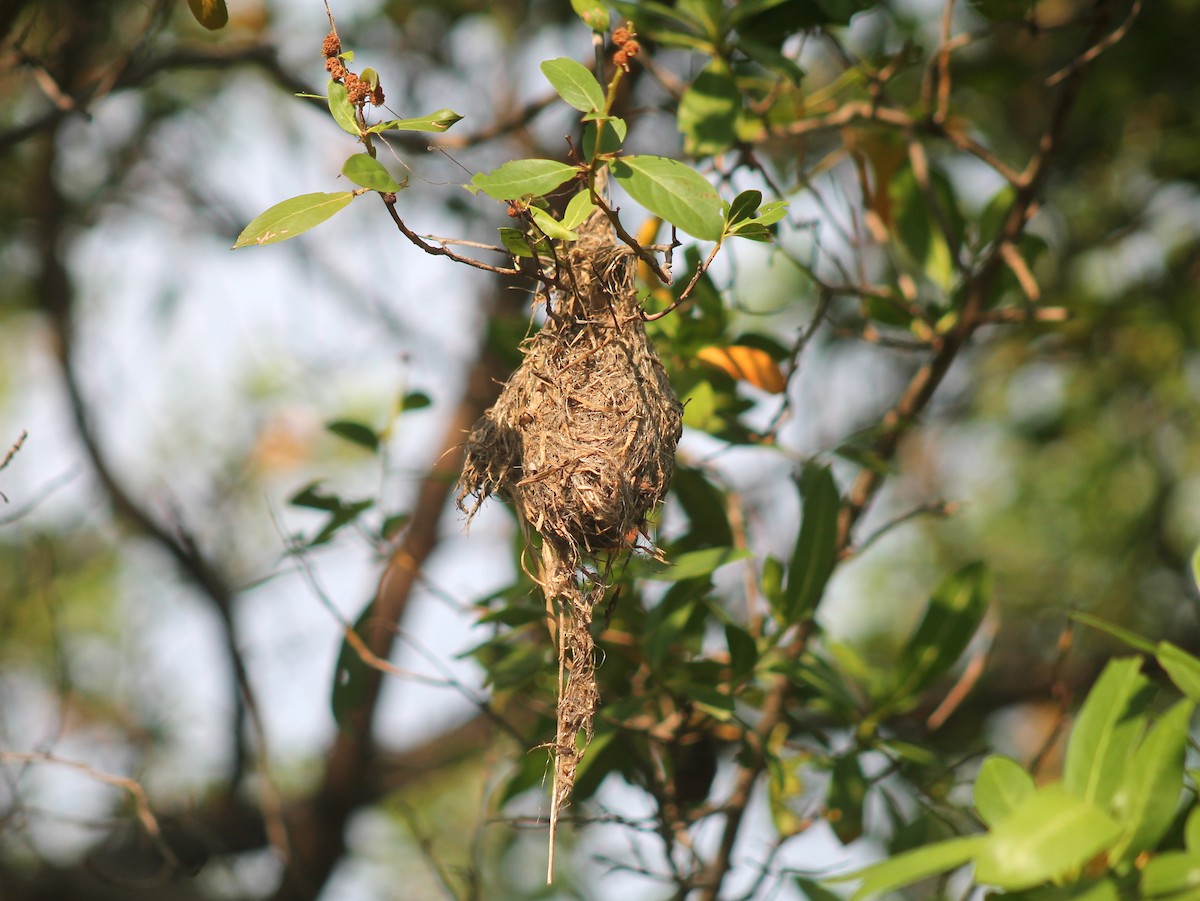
[815,554]
[578,209]
[709,110]
[1146,799]
[1182,667]
[593,12]
[674,191]
[292,217]
[1106,730]
[440,121]
[813,891]
[341,512]
[844,804]
[341,108]
[1171,874]
[913,866]
[414,400]
[575,84]
[524,178]
[1132,639]
[516,243]
[550,226]
[1191,831]
[743,207]
[212,14]
[693,564]
[351,675]
[951,618]
[611,139]
[365,170]
[1196,567]
[1051,832]
[752,231]
[1002,784]
[743,651]
[355,433]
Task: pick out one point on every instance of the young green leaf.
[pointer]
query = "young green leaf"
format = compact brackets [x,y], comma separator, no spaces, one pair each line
[1002,784]
[515,242]
[1182,667]
[611,138]
[414,400]
[436,122]
[550,226]
[575,84]
[524,178]
[355,433]
[1108,726]
[1148,795]
[578,209]
[1051,832]
[341,108]
[365,170]
[1172,876]
[292,217]
[709,109]
[694,564]
[951,618]
[674,191]
[815,553]
[913,866]
[743,206]
[593,13]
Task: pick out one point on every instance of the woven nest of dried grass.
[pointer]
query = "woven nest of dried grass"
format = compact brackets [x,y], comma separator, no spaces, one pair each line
[582,443]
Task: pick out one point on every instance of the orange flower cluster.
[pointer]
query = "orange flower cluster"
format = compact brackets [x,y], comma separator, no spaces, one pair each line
[627,45]
[357,90]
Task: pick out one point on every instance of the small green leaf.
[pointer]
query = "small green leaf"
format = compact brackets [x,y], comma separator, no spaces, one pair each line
[578,210]
[341,108]
[524,178]
[1106,730]
[951,618]
[772,212]
[715,703]
[516,243]
[1146,799]
[693,564]
[593,13]
[1051,832]
[709,109]
[370,76]
[550,226]
[674,191]
[1002,784]
[751,231]
[292,217]
[365,170]
[414,400]
[212,14]
[611,138]
[1132,639]
[355,433]
[1182,667]
[815,554]
[440,121]
[844,804]
[1196,567]
[743,206]
[1171,874]
[351,675]
[743,651]
[575,84]
[913,866]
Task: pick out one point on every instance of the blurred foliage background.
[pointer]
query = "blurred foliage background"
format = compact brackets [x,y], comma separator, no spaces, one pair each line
[172,598]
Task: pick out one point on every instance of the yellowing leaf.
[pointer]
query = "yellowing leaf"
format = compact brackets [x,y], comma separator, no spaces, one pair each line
[212,14]
[746,364]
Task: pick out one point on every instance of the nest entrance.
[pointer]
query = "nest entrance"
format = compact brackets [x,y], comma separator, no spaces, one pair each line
[581,442]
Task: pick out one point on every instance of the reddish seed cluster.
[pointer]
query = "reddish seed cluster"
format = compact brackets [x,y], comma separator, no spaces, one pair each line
[357,90]
[627,46]
[332,45]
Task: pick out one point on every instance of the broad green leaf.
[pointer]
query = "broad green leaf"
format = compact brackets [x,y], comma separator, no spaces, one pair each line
[341,108]
[951,619]
[440,121]
[1108,726]
[594,13]
[578,209]
[674,191]
[524,178]
[1171,874]
[292,217]
[1052,832]
[709,110]
[844,804]
[815,554]
[352,675]
[575,84]
[743,206]
[1002,784]
[550,226]
[365,170]
[693,564]
[355,433]
[1135,641]
[515,242]
[1182,667]
[1146,799]
[913,866]
[611,138]
[212,14]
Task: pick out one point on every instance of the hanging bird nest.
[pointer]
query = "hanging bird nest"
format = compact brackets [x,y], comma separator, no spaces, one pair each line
[581,442]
